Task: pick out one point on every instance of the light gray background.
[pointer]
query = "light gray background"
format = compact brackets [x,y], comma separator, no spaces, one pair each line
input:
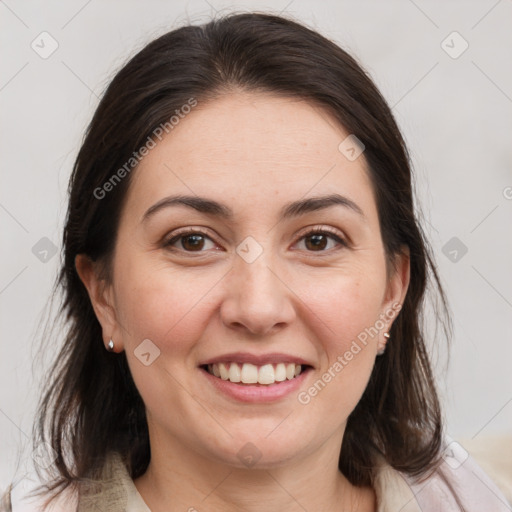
[456,115]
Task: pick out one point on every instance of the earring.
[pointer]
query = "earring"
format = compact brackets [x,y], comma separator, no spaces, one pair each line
[383,349]
[110,346]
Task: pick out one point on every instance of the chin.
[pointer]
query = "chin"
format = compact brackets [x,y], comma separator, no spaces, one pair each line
[260,452]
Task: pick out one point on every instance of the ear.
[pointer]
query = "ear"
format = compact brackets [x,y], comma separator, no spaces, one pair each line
[396,290]
[102,300]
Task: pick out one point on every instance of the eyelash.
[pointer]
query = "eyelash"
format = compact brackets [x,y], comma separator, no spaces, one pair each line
[315,231]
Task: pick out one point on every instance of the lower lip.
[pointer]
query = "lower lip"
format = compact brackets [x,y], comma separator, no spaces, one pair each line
[256,392]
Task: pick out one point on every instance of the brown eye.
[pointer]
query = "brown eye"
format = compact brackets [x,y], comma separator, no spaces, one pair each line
[191,241]
[318,240]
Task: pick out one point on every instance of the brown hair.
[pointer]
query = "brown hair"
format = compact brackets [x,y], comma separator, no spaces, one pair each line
[80,414]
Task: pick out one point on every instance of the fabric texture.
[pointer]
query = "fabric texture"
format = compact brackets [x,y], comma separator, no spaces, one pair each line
[494,455]
[454,480]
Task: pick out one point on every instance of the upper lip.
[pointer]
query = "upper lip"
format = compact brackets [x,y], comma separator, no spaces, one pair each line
[256,359]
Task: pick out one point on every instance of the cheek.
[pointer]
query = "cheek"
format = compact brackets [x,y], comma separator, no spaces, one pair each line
[348,304]
[162,304]
[171,309]
[347,310]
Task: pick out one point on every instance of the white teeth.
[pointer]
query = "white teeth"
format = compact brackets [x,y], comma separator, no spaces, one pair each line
[235,375]
[280,374]
[248,373]
[266,374]
[224,374]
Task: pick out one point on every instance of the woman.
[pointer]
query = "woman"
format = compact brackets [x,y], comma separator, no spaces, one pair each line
[243,277]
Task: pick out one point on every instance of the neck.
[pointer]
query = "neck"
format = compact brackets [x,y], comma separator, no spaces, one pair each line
[180,479]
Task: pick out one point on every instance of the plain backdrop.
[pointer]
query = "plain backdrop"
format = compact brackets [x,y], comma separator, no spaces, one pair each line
[443,66]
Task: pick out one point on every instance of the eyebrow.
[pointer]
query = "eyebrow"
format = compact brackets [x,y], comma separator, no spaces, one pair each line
[290,210]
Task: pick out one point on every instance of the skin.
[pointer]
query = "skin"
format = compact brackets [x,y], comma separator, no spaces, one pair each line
[254,153]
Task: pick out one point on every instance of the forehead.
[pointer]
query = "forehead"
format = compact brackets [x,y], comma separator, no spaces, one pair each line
[249,148]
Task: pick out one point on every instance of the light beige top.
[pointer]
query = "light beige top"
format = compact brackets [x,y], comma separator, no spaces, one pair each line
[116,492]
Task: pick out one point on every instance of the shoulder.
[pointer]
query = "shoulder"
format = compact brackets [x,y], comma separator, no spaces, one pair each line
[457,484]
[114,491]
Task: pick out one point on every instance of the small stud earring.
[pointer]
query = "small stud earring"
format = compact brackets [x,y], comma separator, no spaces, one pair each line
[383,349]
[110,346]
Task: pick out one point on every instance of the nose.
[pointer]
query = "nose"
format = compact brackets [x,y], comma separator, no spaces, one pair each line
[257,298]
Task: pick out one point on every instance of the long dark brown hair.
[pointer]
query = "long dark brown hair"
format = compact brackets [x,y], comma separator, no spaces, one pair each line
[80,414]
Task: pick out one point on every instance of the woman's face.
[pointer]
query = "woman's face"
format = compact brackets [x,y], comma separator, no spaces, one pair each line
[236,280]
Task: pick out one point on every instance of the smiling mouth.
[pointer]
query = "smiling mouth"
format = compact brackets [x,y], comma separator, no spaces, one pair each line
[248,373]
